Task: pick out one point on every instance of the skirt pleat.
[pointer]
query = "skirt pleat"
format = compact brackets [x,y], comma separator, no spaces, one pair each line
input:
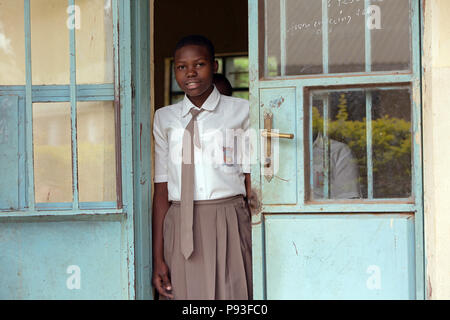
[220,266]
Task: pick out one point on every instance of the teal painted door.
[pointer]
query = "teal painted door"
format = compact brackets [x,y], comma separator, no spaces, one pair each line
[335,108]
[74,195]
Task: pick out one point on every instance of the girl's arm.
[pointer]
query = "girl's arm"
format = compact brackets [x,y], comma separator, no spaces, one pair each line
[161,277]
[248,184]
[248,190]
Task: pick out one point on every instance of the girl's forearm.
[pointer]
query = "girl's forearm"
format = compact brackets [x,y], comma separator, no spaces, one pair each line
[248,184]
[160,207]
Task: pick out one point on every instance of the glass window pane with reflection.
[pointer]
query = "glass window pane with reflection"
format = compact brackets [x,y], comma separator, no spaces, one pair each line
[237,71]
[94,42]
[391,38]
[241,94]
[49,42]
[52,152]
[96,151]
[359,37]
[12,43]
[360,146]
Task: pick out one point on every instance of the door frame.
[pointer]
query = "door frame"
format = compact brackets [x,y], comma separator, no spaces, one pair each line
[142,26]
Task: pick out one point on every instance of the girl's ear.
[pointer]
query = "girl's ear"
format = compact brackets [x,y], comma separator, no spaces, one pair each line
[216,66]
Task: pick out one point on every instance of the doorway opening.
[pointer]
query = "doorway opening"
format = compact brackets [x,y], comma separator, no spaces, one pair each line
[225,23]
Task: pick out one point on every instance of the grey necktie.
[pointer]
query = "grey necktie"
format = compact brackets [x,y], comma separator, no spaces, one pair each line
[187,184]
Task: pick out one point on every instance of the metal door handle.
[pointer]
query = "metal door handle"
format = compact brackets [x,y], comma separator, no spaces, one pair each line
[268,134]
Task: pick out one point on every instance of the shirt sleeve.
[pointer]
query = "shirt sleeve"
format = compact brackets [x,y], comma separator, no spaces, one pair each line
[161,150]
[345,184]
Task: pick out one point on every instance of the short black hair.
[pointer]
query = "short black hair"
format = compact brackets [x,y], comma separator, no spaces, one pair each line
[196,40]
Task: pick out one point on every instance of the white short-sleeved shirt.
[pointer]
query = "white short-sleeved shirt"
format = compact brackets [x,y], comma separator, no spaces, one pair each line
[344,176]
[221,161]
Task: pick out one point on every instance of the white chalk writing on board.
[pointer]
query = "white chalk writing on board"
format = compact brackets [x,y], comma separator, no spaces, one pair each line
[344,17]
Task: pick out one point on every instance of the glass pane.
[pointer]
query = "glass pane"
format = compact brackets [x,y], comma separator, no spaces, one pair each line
[272,34]
[52,152]
[50,42]
[303,37]
[219,65]
[96,151]
[392,143]
[237,71]
[94,42]
[241,94]
[391,39]
[12,43]
[174,85]
[343,164]
[294,40]
[346,34]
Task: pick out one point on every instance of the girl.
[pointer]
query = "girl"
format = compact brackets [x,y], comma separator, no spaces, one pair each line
[201,222]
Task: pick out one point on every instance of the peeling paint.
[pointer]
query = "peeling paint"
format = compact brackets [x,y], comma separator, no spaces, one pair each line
[276,103]
[255,202]
[430,289]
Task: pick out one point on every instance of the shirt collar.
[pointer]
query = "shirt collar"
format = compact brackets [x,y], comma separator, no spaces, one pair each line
[210,104]
[319,141]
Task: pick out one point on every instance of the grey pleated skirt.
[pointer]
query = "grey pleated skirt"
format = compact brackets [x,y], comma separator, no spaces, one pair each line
[220,266]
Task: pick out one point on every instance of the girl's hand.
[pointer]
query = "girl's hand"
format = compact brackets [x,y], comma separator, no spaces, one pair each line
[161,279]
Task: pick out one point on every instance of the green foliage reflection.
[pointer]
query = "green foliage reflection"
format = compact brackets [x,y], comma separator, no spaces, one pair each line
[391,145]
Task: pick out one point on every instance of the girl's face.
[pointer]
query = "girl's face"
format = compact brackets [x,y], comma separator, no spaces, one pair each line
[194,70]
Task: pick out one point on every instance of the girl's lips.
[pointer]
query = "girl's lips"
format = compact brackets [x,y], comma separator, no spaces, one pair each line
[192,85]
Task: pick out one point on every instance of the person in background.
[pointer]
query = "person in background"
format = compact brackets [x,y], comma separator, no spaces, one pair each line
[222,84]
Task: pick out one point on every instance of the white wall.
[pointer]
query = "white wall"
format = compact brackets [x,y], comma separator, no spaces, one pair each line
[436,126]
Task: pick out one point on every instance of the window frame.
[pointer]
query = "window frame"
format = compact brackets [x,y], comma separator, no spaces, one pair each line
[263,48]
[309,92]
[118,92]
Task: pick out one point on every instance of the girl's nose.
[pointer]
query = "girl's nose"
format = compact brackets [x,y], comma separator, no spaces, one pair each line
[191,72]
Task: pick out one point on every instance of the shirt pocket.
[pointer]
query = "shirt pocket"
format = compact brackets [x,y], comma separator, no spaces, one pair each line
[230,160]
[212,145]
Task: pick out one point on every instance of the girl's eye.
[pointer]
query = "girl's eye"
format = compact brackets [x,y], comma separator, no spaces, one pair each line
[200,64]
[180,67]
